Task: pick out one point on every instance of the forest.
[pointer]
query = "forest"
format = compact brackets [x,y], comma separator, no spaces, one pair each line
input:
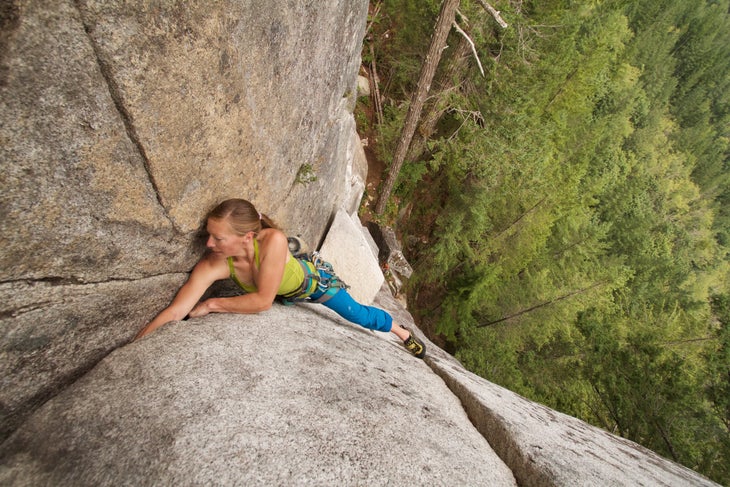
[565,204]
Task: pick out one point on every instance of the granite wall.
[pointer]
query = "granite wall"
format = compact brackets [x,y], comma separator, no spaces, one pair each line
[121,124]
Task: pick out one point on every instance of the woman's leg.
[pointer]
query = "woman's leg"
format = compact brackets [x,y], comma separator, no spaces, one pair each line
[366,316]
[373,318]
[400,332]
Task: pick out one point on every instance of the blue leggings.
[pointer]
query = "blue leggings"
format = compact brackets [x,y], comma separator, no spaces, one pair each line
[366,316]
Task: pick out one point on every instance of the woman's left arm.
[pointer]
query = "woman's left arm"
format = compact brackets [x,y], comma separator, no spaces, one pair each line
[273,255]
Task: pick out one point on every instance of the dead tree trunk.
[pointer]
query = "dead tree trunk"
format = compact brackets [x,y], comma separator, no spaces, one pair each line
[434,110]
[438,42]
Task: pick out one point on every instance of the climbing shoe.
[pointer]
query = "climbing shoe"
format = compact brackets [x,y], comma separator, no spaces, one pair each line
[415,346]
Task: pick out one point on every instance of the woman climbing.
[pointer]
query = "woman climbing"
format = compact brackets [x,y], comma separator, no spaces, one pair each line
[249,248]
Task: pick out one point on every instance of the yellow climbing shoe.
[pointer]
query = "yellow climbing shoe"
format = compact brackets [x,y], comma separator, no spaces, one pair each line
[415,346]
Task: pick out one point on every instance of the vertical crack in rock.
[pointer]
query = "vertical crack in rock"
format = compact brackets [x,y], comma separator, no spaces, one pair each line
[116,96]
[524,469]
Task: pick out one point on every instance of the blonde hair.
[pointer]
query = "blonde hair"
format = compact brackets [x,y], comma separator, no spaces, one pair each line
[242,216]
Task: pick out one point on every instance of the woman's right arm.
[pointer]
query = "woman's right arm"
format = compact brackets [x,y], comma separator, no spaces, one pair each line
[205,273]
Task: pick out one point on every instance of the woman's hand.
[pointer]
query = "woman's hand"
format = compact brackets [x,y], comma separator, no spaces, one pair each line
[200,309]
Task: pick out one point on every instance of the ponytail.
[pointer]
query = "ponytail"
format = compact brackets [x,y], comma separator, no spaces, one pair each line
[242,216]
[267,222]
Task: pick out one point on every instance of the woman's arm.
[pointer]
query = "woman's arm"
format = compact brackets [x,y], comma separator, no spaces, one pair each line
[205,273]
[273,255]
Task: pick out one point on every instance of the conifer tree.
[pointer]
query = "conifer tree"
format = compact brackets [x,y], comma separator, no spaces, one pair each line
[569,241]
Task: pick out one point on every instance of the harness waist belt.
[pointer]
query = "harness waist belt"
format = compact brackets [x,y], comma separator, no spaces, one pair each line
[309,284]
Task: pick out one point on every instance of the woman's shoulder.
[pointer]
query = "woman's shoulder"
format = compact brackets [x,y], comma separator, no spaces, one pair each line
[271,236]
[212,264]
[273,242]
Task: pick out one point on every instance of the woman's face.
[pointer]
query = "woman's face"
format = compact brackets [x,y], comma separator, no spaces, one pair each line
[222,239]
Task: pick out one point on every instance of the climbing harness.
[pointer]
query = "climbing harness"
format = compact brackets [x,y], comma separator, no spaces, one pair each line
[319,278]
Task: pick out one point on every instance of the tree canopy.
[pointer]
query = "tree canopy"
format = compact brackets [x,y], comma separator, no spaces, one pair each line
[568,213]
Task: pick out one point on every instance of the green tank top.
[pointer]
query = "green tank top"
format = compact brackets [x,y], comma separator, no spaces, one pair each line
[292,280]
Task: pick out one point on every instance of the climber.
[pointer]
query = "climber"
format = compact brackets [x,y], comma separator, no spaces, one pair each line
[249,248]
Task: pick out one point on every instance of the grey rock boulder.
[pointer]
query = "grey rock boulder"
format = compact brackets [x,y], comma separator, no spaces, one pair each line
[76,200]
[390,249]
[52,334]
[347,248]
[236,99]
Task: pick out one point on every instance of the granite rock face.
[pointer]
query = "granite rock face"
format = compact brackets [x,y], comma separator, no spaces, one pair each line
[292,396]
[121,124]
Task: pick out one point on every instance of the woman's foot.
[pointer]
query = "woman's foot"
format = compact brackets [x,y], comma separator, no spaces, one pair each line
[415,346]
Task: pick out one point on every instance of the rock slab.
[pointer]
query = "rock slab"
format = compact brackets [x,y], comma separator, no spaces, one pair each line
[292,396]
[544,447]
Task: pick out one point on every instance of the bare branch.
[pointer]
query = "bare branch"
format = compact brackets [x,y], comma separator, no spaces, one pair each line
[463,17]
[471,43]
[476,116]
[375,91]
[374,16]
[542,305]
[494,13]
